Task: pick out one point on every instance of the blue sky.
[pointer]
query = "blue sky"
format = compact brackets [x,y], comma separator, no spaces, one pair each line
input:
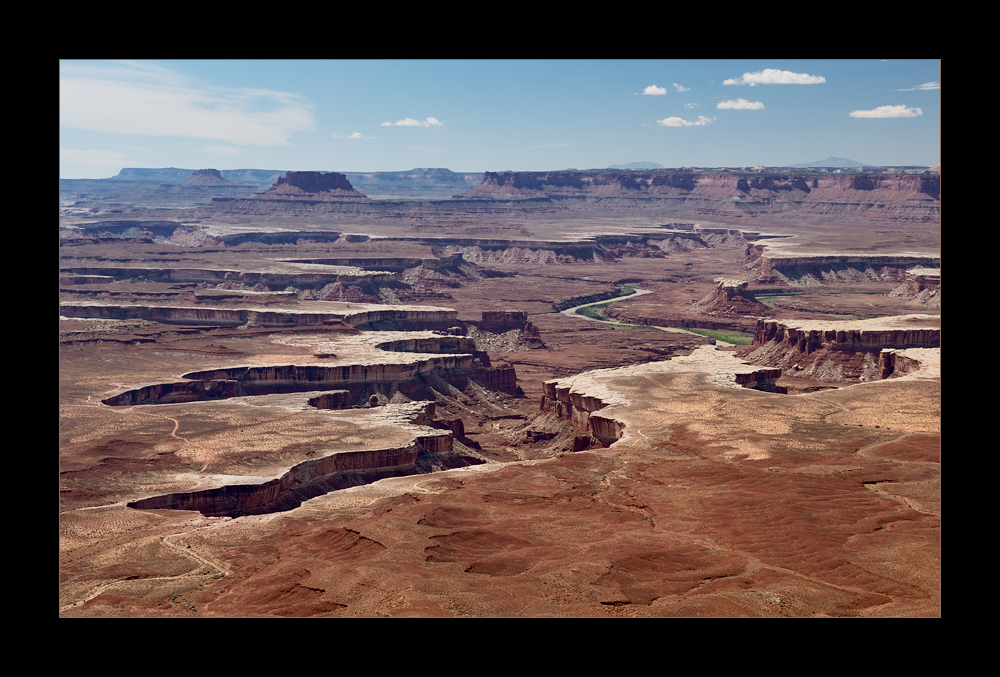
[493,115]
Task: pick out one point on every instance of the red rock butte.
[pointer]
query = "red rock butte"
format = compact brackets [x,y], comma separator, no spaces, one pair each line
[314,185]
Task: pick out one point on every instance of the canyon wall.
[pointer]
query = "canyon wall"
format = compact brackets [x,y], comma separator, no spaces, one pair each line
[305,480]
[807,337]
[809,269]
[271,279]
[893,195]
[387,317]
[899,195]
[842,351]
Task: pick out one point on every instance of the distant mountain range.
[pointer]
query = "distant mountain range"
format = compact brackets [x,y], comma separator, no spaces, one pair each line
[832,162]
[638,165]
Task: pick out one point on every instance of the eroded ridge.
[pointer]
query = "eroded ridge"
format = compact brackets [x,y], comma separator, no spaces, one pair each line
[360,315]
[430,449]
[376,363]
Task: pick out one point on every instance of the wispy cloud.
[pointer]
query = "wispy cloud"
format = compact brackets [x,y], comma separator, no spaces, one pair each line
[223,150]
[653,90]
[410,122]
[681,122]
[772,76]
[887,112]
[920,88]
[97,159]
[692,106]
[352,135]
[139,98]
[740,104]
[679,88]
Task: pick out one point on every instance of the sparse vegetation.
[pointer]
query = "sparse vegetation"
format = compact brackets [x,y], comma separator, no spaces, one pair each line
[734,337]
[594,311]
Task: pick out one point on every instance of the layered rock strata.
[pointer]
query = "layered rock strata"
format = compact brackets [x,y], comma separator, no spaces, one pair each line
[730,298]
[806,336]
[500,321]
[317,276]
[206,177]
[373,366]
[922,285]
[806,269]
[312,186]
[897,196]
[359,315]
[842,351]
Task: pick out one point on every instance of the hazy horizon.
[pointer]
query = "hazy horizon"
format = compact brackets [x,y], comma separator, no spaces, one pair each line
[493,115]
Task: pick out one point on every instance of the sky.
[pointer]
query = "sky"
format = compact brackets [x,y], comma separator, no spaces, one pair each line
[493,115]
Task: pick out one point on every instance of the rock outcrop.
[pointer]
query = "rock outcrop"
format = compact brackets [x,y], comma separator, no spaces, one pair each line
[730,298]
[922,285]
[500,321]
[298,194]
[312,186]
[206,177]
[806,336]
[841,351]
[825,269]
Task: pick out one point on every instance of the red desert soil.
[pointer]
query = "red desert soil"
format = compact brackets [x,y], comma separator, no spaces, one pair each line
[717,500]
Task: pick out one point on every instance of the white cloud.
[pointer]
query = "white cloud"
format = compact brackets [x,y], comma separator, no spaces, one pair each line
[680,88]
[410,122]
[924,87]
[740,104]
[771,76]
[887,112]
[692,106]
[143,99]
[352,135]
[653,90]
[680,122]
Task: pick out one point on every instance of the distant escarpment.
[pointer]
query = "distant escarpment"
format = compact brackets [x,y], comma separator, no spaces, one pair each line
[696,193]
[806,270]
[897,196]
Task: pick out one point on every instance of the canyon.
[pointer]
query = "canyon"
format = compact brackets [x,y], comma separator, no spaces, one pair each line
[298,394]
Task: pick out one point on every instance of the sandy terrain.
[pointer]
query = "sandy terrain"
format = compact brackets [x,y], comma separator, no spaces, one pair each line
[717,500]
